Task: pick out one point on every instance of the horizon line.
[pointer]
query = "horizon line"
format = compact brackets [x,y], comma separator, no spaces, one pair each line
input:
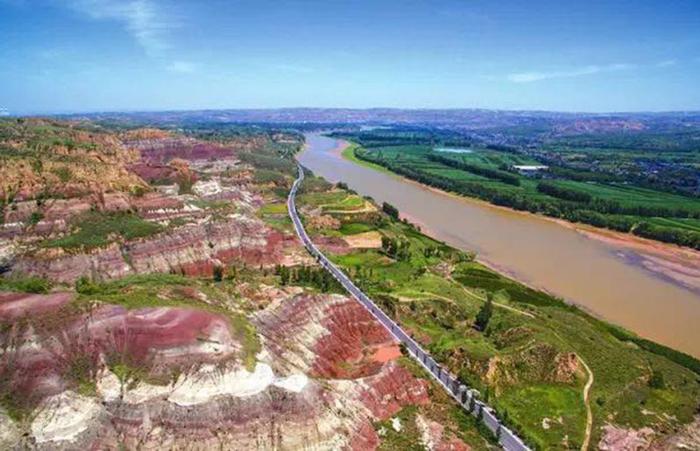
[6,113]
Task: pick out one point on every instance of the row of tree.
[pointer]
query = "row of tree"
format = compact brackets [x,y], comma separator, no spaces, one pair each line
[560,192]
[494,174]
[307,275]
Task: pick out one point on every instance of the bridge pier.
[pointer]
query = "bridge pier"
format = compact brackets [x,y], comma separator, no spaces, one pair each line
[462,390]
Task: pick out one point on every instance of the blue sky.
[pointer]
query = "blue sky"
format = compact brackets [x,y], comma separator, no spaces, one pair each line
[99,55]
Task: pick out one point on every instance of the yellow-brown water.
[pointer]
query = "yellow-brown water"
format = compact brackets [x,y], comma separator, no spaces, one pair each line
[603,277]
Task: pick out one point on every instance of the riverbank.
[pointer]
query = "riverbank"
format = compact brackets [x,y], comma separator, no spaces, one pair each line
[670,262]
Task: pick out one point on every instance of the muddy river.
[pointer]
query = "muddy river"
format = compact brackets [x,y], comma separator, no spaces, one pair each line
[654,294]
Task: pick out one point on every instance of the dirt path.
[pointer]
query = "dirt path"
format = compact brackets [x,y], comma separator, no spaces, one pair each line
[497,304]
[586,401]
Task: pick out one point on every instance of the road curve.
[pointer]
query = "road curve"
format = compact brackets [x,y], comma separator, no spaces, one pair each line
[465,396]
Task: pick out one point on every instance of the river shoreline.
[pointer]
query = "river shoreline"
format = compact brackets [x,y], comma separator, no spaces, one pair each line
[644,286]
[671,262]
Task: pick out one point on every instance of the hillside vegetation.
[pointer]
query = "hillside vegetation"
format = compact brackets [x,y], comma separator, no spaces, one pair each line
[530,357]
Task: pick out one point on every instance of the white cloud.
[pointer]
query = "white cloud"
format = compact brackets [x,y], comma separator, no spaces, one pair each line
[182,67]
[143,19]
[667,63]
[532,76]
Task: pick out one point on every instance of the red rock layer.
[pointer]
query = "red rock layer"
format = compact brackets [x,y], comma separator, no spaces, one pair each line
[42,355]
[193,249]
[21,305]
[393,388]
[341,335]
[349,348]
[162,151]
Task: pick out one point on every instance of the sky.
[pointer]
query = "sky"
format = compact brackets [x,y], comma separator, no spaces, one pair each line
[135,55]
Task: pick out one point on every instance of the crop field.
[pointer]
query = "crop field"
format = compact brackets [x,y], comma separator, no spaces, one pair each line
[634,195]
[488,174]
[334,201]
[688,224]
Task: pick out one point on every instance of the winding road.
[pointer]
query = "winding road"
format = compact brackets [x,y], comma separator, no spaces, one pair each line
[465,396]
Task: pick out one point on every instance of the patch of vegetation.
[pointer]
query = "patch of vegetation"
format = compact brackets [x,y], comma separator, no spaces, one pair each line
[81,371]
[390,210]
[35,217]
[278,208]
[354,228]
[25,284]
[64,174]
[495,174]
[95,229]
[408,437]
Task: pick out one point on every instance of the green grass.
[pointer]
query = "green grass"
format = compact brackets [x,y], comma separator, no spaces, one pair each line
[25,284]
[212,204]
[686,224]
[408,438]
[534,403]
[354,228]
[96,229]
[349,154]
[333,201]
[279,208]
[630,195]
[274,214]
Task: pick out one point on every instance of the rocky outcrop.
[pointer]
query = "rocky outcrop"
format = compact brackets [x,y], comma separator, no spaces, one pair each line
[328,336]
[435,438]
[687,438]
[295,398]
[44,356]
[63,160]
[193,249]
[620,439]
[14,306]
[162,150]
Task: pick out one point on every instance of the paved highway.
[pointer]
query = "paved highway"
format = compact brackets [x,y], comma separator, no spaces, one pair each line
[460,392]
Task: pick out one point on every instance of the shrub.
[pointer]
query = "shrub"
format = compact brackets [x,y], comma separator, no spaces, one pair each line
[26,284]
[86,286]
[36,217]
[218,273]
[390,210]
[656,381]
[484,315]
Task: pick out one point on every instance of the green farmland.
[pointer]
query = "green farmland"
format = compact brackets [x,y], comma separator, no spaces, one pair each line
[489,174]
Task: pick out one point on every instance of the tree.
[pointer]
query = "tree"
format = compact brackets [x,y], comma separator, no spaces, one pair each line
[656,380]
[484,315]
[218,273]
[390,210]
